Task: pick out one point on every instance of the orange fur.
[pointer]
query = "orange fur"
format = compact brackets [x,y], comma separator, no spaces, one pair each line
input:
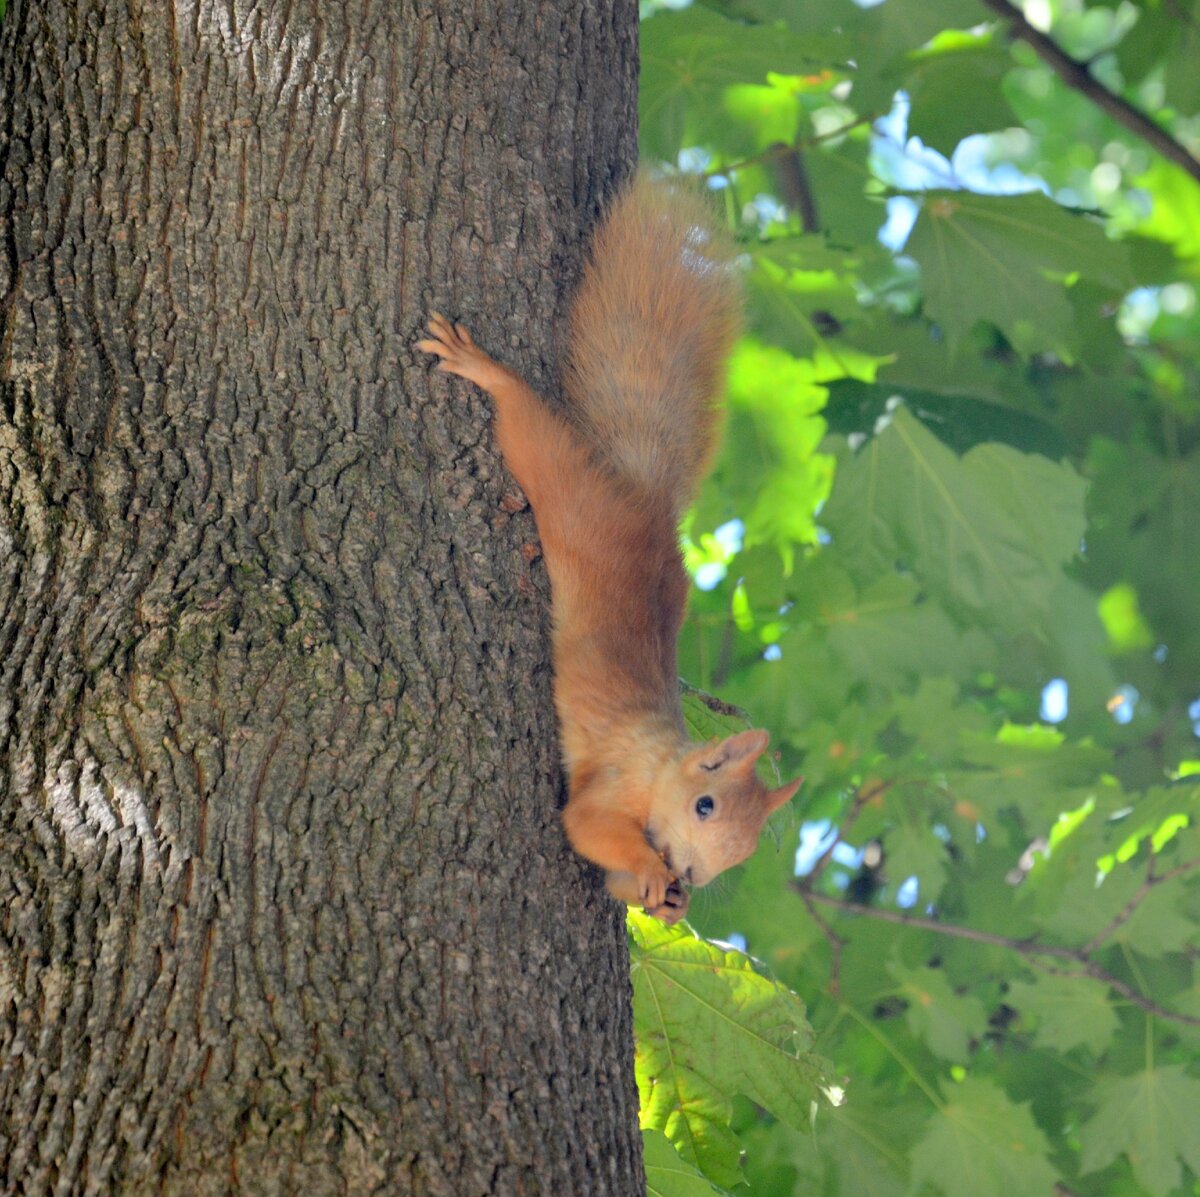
[653,322]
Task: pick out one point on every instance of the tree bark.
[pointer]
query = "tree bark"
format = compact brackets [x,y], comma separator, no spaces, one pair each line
[285,906]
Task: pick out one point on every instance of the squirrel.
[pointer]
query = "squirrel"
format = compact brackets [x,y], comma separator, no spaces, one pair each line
[653,322]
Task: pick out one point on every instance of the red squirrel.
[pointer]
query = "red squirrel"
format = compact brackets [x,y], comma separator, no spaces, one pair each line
[654,319]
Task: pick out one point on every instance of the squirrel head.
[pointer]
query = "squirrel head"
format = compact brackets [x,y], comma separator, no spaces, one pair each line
[709,807]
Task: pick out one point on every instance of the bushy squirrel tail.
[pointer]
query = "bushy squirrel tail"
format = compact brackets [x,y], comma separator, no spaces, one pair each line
[655,317]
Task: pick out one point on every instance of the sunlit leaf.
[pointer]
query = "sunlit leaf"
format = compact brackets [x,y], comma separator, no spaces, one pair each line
[709,1025]
[1127,630]
[774,474]
[668,1174]
[690,55]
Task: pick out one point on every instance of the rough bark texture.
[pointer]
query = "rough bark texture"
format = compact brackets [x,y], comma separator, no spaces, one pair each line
[284,902]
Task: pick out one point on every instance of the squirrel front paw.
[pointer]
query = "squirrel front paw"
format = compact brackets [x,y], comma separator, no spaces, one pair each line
[635,890]
[653,881]
[674,905]
[459,353]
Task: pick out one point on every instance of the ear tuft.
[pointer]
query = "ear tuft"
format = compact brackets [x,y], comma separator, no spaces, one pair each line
[738,752]
[777,798]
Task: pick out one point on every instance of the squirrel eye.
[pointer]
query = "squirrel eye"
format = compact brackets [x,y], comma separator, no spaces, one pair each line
[704,806]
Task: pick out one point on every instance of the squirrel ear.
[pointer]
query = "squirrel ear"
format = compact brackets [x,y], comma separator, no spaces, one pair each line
[740,752]
[776,798]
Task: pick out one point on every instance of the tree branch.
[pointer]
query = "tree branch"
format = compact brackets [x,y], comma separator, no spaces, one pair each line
[1076,74]
[796,190]
[1124,915]
[1028,948]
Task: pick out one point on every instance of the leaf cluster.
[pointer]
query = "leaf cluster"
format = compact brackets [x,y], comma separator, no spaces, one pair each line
[951,557]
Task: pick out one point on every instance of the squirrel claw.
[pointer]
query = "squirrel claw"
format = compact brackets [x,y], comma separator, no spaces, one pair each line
[673,906]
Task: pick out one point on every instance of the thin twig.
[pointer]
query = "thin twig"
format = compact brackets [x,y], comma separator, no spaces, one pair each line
[835,941]
[779,149]
[768,155]
[802,143]
[865,793]
[1076,74]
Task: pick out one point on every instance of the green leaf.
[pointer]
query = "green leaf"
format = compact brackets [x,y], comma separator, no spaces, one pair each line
[1162,922]
[1150,1118]
[1122,618]
[1145,541]
[945,1020]
[994,258]
[710,719]
[936,717]
[1027,768]
[908,24]
[885,633]
[1014,399]
[954,90]
[799,292]
[1143,47]
[913,850]
[770,113]
[859,1149]
[708,1026]
[1072,901]
[755,904]
[883,36]
[1181,77]
[987,533]
[772,470]
[1174,217]
[1065,1012]
[668,1174]
[867,1142]
[983,1135]
[850,207]
[689,56]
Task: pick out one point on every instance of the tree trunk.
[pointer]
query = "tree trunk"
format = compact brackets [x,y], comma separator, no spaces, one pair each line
[285,906]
